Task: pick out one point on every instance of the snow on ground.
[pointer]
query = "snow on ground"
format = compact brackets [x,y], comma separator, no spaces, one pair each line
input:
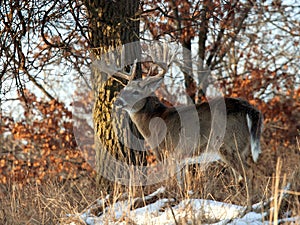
[189,211]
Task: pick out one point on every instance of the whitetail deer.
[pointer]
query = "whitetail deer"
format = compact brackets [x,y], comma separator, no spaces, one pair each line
[241,141]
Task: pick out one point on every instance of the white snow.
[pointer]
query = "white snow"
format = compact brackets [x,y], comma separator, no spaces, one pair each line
[188,211]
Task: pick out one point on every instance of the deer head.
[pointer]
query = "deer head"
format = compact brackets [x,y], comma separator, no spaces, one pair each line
[133,97]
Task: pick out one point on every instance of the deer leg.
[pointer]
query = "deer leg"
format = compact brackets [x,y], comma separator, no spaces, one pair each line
[250,189]
[241,170]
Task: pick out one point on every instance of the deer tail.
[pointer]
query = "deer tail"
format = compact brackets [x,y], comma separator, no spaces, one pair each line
[255,126]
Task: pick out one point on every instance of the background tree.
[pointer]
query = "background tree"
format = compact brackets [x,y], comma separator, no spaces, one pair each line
[38,35]
[245,44]
[215,25]
[111,25]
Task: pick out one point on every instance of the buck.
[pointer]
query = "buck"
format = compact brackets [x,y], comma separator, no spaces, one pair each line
[241,141]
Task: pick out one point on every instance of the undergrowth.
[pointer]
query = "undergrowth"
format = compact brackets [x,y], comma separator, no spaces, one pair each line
[57,201]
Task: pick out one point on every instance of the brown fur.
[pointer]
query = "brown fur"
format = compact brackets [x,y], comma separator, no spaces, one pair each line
[243,125]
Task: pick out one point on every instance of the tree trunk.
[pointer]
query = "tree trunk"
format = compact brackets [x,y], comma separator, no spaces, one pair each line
[111,24]
[185,40]
[189,81]
[203,32]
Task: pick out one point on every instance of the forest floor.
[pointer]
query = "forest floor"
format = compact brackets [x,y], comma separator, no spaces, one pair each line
[76,200]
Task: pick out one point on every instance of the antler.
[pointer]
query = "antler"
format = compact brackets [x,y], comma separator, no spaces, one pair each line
[114,71]
[127,76]
[163,58]
[160,55]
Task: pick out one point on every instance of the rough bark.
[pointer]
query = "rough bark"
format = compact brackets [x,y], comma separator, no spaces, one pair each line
[111,24]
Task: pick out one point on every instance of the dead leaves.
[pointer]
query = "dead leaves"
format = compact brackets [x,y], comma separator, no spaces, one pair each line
[40,146]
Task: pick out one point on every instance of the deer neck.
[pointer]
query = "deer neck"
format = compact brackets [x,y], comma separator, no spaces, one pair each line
[152,108]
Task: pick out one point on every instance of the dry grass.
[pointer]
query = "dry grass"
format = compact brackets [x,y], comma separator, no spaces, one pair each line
[47,203]
[52,201]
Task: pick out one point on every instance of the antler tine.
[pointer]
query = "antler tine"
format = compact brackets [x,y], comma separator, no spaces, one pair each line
[127,76]
[165,58]
[102,65]
[165,52]
[164,68]
[113,71]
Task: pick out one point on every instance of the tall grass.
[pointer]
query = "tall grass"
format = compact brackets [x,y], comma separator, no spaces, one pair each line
[52,201]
